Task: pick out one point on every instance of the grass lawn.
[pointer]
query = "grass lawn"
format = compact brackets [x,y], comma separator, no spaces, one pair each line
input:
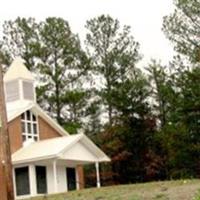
[168,190]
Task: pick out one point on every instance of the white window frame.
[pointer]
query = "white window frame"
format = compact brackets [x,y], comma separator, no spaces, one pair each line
[30,135]
[15,184]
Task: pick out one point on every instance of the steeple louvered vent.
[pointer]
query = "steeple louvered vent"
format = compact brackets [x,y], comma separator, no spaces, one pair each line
[28,90]
[12,91]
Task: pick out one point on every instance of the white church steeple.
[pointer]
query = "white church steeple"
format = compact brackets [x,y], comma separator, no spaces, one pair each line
[19,82]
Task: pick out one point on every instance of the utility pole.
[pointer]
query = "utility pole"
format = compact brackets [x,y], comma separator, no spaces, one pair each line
[6,180]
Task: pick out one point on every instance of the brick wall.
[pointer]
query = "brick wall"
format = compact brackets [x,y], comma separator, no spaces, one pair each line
[46,130]
[14,128]
[80,172]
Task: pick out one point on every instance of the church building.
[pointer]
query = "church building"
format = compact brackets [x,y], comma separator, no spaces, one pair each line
[45,158]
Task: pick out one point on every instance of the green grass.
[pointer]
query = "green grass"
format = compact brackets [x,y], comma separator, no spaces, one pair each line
[168,190]
[197,196]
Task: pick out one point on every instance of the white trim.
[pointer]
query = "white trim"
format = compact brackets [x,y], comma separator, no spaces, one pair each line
[55,176]
[32,180]
[20,162]
[98,175]
[70,145]
[95,149]
[27,105]
[14,180]
[99,155]
[21,97]
[77,179]
[29,134]
[91,147]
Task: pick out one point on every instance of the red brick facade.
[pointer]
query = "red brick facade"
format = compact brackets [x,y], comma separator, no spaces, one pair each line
[46,131]
[80,172]
[15,136]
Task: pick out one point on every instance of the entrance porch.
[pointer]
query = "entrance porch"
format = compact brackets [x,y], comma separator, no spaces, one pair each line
[54,172]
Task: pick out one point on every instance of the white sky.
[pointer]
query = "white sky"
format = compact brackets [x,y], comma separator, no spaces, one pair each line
[144,16]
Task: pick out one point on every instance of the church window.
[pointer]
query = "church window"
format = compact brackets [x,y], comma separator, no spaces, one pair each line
[29,126]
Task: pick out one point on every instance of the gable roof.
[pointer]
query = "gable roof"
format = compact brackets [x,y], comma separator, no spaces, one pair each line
[18,70]
[57,148]
[15,109]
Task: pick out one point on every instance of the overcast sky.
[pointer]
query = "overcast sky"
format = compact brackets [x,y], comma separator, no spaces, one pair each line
[144,16]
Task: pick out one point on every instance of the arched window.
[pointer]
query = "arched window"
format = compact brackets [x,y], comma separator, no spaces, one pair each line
[29,126]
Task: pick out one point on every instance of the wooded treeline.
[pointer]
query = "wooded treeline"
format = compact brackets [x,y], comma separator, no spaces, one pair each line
[147,120]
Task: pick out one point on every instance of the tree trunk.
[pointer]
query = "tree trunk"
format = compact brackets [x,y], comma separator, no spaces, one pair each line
[110,114]
[5,153]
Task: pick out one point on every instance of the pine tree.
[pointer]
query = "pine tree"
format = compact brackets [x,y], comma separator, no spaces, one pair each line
[114,54]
